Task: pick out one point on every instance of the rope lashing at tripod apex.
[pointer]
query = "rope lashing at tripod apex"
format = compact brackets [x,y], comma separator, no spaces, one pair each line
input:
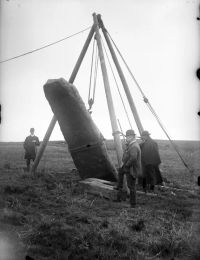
[81,147]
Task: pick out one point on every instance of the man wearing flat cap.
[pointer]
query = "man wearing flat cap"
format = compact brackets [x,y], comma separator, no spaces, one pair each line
[150,162]
[30,144]
[131,166]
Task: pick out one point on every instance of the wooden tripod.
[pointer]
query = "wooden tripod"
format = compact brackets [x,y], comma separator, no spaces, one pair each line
[116,133]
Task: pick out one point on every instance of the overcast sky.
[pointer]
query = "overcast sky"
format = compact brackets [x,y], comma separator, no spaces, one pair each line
[159,40]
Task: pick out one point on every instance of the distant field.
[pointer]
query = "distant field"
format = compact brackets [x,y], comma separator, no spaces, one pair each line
[57,158]
[49,216]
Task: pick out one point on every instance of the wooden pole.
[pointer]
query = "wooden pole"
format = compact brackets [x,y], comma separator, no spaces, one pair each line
[121,75]
[44,143]
[54,120]
[113,119]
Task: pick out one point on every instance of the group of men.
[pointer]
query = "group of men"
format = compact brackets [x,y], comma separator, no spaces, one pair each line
[139,160]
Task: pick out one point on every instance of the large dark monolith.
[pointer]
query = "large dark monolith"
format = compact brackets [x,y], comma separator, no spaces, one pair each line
[85,141]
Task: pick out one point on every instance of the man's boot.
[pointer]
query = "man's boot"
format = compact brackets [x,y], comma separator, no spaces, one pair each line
[124,195]
[119,196]
[152,188]
[28,167]
[133,198]
[144,185]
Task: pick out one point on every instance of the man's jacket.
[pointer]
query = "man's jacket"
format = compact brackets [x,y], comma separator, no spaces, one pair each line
[149,152]
[132,159]
[30,144]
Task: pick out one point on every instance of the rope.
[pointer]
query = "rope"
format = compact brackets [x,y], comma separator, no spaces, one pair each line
[95,71]
[117,87]
[91,69]
[127,67]
[45,46]
[151,108]
[121,130]
[94,53]
[172,143]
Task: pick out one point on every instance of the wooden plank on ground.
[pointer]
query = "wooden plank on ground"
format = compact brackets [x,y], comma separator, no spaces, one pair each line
[104,188]
[110,183]
[173,189]
[99,187]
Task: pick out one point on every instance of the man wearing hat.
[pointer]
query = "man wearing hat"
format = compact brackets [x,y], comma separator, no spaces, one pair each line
[150,161]
[131,166]
[30,144]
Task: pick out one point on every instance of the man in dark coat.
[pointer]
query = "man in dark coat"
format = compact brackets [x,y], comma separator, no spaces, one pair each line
[30,144]
[131,166]
[150,161]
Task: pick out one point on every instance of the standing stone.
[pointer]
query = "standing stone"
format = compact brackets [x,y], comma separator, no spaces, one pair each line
[85,141]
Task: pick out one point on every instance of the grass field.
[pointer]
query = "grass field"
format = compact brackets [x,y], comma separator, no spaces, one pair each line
[49,216]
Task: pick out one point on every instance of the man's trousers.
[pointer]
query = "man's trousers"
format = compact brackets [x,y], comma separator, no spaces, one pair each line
[131,182]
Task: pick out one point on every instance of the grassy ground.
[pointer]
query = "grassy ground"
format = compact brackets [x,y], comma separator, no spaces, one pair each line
[51,217]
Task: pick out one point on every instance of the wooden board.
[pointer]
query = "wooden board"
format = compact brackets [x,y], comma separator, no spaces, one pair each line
[85,141]
[104,188]
[100,188]
[163,188]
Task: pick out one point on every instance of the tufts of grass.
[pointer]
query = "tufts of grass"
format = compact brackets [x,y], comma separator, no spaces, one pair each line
[53,238]
[116,241]
[174,240]
[51,235]
[76,218]
[104,224]
[14,188]
[138,226]
[12,217]
[7,166]
[194,243]
[167,247]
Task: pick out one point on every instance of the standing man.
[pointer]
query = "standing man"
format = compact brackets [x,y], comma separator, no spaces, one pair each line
[30,144]
[150,162]
[131,166]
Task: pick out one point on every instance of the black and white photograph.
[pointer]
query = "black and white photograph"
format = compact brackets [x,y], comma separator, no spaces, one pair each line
[99,129]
